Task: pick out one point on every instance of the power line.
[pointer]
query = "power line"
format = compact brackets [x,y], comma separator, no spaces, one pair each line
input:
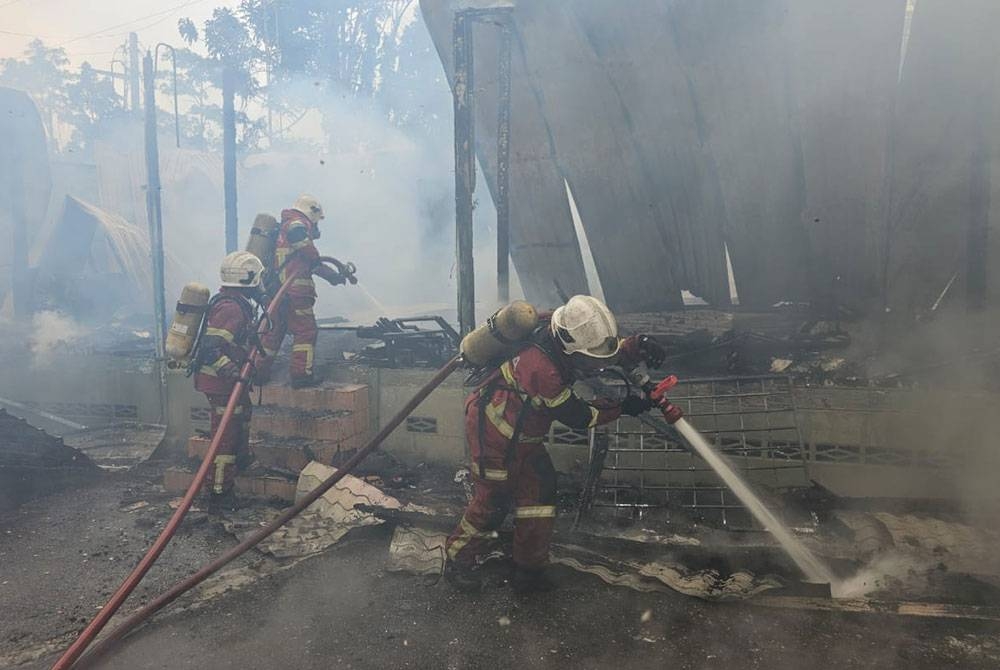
[102,33]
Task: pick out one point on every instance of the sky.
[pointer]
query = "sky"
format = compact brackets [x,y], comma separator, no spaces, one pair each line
[92,30]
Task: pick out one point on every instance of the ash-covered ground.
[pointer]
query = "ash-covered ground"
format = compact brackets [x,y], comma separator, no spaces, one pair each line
[62,556]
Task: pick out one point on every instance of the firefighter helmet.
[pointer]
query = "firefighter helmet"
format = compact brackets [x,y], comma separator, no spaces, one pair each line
[241,269]
[585,325]
[309,206]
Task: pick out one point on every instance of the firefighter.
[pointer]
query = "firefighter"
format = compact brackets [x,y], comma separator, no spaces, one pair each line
[295,251]
[506,421]
[221,352]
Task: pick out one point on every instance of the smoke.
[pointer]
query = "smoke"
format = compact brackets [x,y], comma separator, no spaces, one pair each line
[51,331]
[885,571]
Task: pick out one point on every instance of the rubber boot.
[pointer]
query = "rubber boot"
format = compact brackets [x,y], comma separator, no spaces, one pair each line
[463,578]
[220,503]
[535,580]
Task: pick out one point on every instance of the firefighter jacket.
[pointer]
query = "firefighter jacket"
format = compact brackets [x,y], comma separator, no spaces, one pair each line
[534,388]
[223,347]
[295,251]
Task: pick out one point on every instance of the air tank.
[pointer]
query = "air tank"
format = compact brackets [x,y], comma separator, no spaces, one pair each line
[187,320]
[502,334]
[262,240]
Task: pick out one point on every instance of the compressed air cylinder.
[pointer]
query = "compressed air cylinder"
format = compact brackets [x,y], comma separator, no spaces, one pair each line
[187,320]
[262,238]
[501,335]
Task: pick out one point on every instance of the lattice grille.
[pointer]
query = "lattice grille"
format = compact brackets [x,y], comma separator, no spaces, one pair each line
[421,424]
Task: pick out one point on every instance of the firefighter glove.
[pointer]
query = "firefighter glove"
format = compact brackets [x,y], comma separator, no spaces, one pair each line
[671,412]
[635,405]
[651,351]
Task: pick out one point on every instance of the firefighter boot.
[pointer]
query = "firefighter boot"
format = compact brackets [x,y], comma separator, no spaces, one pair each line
[220,503]
[527,581]
[463,578]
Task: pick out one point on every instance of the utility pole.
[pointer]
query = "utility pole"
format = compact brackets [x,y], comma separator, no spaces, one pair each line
[977,231]
[19,249]
[503,167]
[465,170]
[229,156]
[153,210]
[133,71]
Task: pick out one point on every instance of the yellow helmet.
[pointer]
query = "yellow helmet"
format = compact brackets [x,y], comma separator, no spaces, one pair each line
[309,206]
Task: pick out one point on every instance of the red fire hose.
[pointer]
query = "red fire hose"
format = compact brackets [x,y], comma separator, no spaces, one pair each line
[101,620]
[189,583]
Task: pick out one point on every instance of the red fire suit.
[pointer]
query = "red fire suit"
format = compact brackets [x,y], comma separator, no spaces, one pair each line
[295,251]
[506,422]
[221,353]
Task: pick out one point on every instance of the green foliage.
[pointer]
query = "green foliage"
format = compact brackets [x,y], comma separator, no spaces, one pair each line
[82,100]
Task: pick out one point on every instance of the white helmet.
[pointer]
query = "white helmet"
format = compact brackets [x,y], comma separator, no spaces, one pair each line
[241,269]
[309,206]
[586,325]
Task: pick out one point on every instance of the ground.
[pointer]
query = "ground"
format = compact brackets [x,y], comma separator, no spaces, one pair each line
[342,609]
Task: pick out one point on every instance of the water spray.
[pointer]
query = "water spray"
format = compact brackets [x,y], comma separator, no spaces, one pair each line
[811,567]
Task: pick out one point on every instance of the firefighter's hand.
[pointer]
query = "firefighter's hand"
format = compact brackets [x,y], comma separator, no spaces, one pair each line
[335,279]
[671,412]
[635,405]
[651,351]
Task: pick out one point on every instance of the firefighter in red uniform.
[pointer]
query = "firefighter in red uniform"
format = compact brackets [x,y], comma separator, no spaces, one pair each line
[295,251]
[222,350]
[506,422]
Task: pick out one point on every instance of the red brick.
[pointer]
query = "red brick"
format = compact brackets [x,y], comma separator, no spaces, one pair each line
[289,424]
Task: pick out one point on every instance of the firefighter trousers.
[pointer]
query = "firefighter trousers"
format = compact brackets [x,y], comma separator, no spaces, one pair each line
[297,317]
[519,479]
[234,447]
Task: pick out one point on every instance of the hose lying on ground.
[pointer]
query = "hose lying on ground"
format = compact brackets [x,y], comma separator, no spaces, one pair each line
[189,583]
[100,621]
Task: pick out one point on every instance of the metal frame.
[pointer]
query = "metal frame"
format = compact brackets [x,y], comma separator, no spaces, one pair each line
[751,420]
[463,47]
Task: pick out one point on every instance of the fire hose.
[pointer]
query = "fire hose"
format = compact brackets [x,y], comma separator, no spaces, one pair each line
[76,649]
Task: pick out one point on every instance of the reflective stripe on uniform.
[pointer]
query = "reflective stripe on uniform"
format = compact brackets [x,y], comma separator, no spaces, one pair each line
[468,533]
[490,474]
[535,512]
[308,350]
[507,370]
[212,369]
[308,311]
[495,414]
[220,332]
[595,415]
[221,462]
[559,399]
[303,282]
[222,410]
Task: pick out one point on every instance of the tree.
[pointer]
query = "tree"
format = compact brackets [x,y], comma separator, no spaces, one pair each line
[42,73]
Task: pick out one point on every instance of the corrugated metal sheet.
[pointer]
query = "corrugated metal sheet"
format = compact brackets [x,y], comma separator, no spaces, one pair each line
[544,246]
[777,127]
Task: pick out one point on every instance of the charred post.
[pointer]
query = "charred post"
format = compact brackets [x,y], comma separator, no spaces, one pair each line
[465,169]
[503,166]
[229,157]
[133,72]
[153,208]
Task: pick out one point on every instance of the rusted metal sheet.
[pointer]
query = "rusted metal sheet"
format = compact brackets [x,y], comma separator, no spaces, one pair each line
[635,45]
[543,242]
[845,61]
[735,56]
[946,103]
[598,153]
